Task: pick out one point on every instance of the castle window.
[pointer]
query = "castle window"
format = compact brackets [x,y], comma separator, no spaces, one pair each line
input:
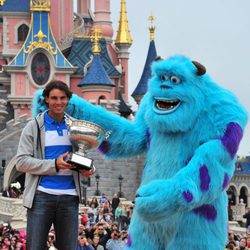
[101,98]
[40,69]
[22,32]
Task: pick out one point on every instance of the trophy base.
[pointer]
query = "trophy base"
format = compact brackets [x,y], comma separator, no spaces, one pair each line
[81,162]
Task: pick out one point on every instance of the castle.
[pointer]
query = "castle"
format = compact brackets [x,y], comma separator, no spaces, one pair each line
[41,40]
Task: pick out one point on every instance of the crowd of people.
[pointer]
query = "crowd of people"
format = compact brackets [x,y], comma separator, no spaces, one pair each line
[238,243]
[11,239]
[103,225]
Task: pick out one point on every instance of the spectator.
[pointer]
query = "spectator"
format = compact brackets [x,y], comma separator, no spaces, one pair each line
[92,212]
[96,243]
[118,213]
[247,217]
[83,243]
[124,218]
[115,243]
[242,244]
[103,232]
[51,241]
[95,201]
[103,198]
[115,202]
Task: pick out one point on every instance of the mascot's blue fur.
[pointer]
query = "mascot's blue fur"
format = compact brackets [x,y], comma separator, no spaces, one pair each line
[190,129]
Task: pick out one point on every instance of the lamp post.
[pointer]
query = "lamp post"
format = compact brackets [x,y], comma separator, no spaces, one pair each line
[84,191]
[97,178]
[1,174]
[120,178]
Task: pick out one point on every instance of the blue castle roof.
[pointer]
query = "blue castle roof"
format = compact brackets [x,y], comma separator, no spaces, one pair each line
[16,6]
[81,52]
[142,86]
[124,110]
[242,167]
[96,74]
[40,23]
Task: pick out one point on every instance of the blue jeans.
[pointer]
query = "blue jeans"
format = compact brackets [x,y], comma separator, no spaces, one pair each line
[48,209]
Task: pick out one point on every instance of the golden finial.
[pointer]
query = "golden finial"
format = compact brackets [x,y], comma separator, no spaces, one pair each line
[40,5]
[95,37]
[2,2]
[152,28]
[123,33]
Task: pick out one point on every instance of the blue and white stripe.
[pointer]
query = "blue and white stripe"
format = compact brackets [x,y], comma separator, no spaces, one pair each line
[56,143]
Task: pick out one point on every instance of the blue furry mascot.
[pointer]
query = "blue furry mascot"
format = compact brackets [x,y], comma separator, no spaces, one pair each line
[190,129]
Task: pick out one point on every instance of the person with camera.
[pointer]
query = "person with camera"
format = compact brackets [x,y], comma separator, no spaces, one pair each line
[115,243]
[83,243]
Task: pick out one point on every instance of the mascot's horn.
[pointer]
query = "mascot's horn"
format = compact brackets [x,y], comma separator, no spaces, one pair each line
[201,70]
[158,58]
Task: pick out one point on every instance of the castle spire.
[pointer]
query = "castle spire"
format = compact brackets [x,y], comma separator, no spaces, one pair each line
[152,28]
[40,5]
[142,86]
[95,37]
[123,33]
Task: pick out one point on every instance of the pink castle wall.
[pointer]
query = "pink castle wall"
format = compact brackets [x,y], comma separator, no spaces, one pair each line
[12,24]
[102,17]
[61,16]
[83,6]
[124,80]
[20,84]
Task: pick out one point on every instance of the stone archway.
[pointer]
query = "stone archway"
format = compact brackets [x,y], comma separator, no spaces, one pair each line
[11,174]
[244,194]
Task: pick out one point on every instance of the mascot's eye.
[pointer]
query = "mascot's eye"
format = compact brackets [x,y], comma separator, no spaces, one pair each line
[175,79]
[163,78]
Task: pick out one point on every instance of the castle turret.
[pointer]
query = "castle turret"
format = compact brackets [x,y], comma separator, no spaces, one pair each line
[102,18]
[123,42]
[84,8]
[96,82]
[142,86]
[61,17]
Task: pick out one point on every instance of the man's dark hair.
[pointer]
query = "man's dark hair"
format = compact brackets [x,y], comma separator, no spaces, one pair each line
[57,84]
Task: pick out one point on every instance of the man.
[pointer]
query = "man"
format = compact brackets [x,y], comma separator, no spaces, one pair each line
[114,203]
[52,189]
[115,243]
[83,243]
[247,217]
[96,244]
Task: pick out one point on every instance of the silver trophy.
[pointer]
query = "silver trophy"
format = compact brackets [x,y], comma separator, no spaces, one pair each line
[84,135]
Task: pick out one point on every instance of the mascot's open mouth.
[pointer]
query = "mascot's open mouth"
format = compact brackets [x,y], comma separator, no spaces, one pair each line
[165,105]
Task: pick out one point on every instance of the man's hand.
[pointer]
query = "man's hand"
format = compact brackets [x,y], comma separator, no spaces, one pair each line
[88,173]
[61,163]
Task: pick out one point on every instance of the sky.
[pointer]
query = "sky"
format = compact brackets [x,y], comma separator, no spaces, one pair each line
[215,33]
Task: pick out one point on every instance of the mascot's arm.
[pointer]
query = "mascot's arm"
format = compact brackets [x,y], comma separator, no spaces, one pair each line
[198,184]
[127,138]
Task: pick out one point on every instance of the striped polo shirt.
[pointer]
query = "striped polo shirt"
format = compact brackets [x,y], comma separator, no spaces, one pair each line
[56,143]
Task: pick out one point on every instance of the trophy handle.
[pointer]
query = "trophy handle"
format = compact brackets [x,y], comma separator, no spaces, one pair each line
[68,121]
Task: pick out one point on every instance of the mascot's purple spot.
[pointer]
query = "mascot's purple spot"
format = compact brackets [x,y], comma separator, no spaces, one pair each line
[204,178]
[187,196]
[232,137]
[129,242]
[226,180]
[148,138]
[207,211]
[104,147]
